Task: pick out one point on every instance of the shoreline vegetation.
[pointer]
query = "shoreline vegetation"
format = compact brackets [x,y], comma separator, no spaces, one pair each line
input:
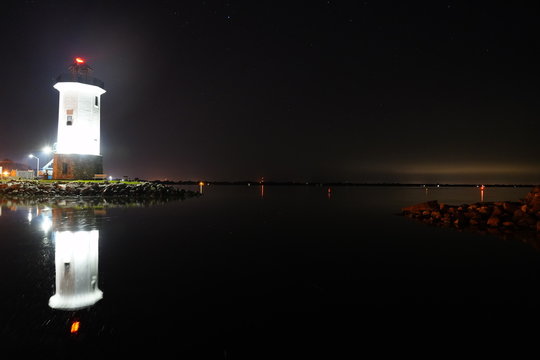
[101,188]
[508,219]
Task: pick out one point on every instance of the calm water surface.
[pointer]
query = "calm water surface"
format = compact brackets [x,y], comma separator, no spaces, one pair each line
[247,272]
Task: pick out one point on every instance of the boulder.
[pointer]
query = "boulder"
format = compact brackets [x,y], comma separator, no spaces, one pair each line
[493,221]
[518,214]
[507,218]
[425,206]
[484,210]
[497,211]
[532,200]
[510,207]
[527,221]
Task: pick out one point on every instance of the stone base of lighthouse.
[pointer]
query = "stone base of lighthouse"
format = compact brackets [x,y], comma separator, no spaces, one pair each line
[76,166]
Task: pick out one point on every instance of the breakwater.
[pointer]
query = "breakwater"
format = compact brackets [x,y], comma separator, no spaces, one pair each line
[508,218]
[29,189]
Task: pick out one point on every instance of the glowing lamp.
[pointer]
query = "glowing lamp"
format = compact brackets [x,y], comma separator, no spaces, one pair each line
[79,60]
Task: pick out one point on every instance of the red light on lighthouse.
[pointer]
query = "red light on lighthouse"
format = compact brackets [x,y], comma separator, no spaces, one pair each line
[79,60]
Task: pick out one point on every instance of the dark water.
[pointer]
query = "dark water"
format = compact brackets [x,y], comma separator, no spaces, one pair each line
[245,272]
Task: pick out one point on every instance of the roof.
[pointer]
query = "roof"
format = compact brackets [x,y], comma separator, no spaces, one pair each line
[7,164]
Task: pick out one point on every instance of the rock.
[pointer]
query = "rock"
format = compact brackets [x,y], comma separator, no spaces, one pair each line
[510,207]
[506,218]
[518,214]
[493,221]
[484,210]
[533,200]
[461,221]
[497,211]
[425,206]
[32,188]
[526,221]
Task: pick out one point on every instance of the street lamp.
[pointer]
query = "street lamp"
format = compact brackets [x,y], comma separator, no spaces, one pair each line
[31,156]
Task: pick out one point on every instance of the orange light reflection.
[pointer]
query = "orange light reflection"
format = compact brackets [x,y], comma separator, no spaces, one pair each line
[75,327]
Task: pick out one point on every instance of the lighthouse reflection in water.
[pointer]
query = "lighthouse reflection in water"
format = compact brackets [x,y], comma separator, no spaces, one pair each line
[76,260]
[76,263]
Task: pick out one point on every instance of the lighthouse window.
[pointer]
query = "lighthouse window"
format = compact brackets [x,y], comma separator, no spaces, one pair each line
[96,101]
[69,120]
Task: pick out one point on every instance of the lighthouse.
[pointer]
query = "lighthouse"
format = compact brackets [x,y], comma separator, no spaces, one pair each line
[77,153]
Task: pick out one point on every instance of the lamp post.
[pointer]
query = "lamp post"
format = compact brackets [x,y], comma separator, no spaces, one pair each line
[31,156]
[46,150]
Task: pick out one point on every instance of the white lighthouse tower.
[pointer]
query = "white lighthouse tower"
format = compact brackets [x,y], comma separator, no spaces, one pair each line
[78,149]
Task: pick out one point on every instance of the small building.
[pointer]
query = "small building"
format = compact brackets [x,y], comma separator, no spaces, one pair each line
[14,170]
[24,174]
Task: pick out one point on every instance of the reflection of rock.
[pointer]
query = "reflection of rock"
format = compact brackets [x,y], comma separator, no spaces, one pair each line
[518,219]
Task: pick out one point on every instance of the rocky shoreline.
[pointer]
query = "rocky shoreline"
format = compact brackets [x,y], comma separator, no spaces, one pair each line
[510,219]
[105,189]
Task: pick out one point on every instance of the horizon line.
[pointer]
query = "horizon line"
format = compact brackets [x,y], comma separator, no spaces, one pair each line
[339,183]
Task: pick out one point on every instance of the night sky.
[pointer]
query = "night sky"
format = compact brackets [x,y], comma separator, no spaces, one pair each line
[359,91]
